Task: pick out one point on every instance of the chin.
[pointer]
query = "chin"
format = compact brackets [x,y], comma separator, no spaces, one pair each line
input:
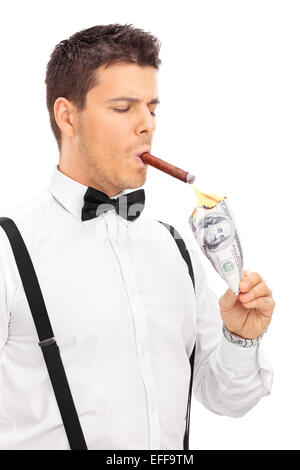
[138,179]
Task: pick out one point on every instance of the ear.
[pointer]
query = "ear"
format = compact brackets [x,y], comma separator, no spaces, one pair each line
[66,116]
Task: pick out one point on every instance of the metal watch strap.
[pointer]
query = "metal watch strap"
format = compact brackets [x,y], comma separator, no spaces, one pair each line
[245,343]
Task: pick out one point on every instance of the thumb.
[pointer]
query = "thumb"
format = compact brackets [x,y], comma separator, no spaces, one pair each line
[245,273]
[227,300]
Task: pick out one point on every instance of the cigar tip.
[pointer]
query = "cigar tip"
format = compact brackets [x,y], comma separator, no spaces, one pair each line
[190,178]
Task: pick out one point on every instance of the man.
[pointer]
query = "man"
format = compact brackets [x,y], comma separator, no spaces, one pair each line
[122,307]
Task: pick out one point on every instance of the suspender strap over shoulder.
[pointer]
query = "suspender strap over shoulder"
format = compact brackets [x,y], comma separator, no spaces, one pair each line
[185,254]
[47,341]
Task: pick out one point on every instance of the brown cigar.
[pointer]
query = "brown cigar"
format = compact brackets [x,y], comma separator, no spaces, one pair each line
[172,170]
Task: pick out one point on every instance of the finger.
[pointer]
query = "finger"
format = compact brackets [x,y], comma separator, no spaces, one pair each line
[264,304]
[245,273]
[259,290]
[249,281]
[227,301]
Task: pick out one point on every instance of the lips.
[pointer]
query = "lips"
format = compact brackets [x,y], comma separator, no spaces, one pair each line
[141,151]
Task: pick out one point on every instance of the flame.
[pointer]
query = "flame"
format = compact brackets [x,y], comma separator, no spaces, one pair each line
[206,200]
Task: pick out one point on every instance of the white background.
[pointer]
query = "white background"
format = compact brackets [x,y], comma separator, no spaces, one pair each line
[229,113]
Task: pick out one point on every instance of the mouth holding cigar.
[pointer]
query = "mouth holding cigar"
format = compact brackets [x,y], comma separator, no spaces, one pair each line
[166,167]
[137,157]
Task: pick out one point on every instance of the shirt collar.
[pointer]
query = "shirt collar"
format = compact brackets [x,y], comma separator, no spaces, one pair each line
[70,192]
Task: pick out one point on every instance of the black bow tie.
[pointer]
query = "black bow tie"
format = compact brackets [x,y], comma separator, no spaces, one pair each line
[129,206]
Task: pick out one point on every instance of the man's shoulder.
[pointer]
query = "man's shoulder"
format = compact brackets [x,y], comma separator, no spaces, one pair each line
[32,207]
[165,230]
[29,217]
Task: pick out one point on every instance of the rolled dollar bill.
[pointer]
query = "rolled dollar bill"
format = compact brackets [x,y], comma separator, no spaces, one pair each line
[216,233]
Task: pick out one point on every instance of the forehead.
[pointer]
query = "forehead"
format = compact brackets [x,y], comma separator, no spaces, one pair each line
[126,80]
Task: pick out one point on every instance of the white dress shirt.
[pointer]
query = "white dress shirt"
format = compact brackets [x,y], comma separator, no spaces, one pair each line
[125,317]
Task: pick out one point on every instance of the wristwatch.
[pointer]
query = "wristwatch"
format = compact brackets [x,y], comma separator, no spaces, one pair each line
[245,343]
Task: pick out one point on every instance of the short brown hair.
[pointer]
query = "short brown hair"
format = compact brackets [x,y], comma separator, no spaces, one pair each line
[71,70]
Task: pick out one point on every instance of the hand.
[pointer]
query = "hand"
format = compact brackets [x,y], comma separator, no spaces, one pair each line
[249,313]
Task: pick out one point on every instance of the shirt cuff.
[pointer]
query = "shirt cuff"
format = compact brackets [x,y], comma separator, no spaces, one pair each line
[237,358]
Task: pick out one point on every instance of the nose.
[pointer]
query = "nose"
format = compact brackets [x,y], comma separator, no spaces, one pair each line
[146,122]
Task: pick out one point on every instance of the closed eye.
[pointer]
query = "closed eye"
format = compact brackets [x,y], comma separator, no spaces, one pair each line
[127,109]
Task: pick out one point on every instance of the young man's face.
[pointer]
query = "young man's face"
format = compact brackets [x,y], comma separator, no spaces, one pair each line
[106,139]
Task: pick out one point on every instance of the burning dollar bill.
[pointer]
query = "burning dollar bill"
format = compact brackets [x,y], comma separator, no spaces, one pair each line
[215,231]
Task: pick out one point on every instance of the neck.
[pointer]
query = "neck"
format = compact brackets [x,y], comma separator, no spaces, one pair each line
[82,179]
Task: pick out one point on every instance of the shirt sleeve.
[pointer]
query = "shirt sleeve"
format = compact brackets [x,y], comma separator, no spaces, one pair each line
[9,283]
[228,378]
[4,308]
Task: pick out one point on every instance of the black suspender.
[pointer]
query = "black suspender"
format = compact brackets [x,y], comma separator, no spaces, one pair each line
[185,254]
[47,340]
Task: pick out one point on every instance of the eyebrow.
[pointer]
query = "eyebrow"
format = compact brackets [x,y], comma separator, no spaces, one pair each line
[132,100]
